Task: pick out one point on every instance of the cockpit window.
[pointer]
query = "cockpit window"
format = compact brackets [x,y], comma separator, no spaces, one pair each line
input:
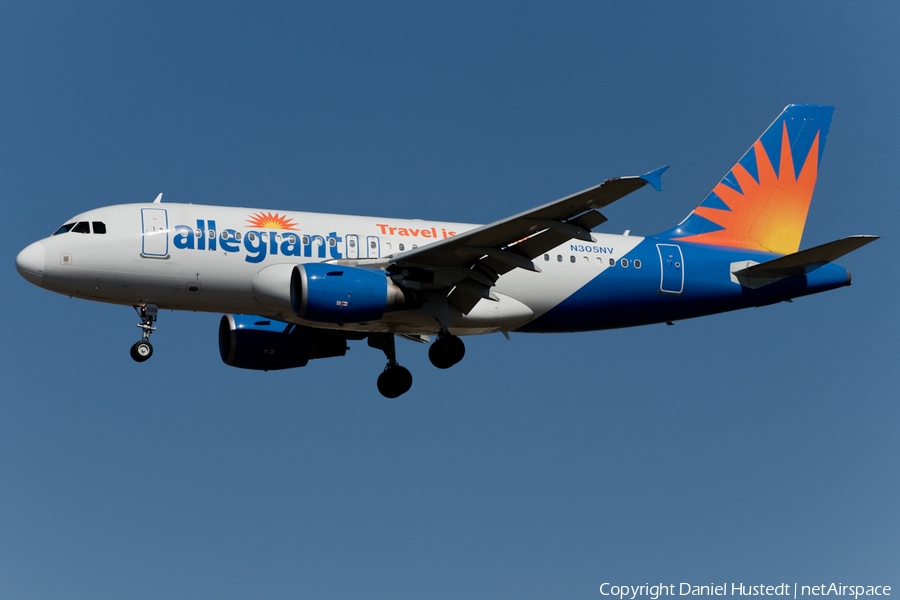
[82,227]
[65,228]
[99,226]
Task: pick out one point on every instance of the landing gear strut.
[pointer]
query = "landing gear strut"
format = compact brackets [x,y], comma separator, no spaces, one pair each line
[142,350]
[395,380]
[446,351]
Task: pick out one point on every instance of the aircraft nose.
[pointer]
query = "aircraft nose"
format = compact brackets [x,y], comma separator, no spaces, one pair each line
[30,263]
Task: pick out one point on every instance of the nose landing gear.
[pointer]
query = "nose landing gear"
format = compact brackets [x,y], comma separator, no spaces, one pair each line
[142,350]
[446,351]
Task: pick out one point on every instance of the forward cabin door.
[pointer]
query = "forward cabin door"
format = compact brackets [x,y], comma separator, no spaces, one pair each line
[155,239]
[672,266]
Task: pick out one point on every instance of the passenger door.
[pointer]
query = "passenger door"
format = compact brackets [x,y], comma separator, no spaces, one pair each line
[155,239]
[672,265]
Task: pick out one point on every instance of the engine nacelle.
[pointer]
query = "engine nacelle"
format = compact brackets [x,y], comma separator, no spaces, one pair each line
[251,342]
[339,294]
[277,287]
[328,293]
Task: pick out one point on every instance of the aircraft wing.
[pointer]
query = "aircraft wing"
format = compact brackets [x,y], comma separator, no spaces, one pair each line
[471,262]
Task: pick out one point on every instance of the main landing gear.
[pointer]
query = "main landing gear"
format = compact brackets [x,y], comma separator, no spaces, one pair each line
[446,351]
[395,380]
[142,350]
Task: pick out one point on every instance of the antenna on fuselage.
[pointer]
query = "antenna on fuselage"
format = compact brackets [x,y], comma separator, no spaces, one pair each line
[158,199]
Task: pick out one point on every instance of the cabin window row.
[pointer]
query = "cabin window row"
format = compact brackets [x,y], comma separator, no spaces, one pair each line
[293,239]
[600,260]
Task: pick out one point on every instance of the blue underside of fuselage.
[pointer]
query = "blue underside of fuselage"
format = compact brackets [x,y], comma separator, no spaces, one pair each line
[626,296]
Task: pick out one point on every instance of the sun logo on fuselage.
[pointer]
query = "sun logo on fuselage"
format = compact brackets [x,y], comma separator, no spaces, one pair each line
[270,221]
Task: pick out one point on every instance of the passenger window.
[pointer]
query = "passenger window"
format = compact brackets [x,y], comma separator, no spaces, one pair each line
[251,236]
[637,264]
[237,235]
[612,262]
[65,228]
[624,262]
[388,246]
[572,258]
[211,234]
[546,257]
[332,242]
[585,259]
[599,261]
[401,247]
[224,235]
[559,258]
[82,227]
[306,240]
[415,246]
[264,237]
[352,243]
[99,226]
[373,245]
[197,233]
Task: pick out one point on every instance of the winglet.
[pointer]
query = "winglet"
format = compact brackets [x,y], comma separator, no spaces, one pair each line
[654,178]
[158,199]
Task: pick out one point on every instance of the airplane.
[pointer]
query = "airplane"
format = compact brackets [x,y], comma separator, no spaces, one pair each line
[297,286]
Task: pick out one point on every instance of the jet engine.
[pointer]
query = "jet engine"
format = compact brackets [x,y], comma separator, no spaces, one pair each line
[328,293]
[251,342]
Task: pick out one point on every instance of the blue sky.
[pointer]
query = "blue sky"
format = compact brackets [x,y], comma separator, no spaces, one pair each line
[758,446]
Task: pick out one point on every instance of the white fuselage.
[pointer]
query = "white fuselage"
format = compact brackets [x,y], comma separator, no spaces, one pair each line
[204,258]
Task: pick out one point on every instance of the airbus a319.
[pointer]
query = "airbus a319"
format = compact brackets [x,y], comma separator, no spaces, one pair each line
[296,286]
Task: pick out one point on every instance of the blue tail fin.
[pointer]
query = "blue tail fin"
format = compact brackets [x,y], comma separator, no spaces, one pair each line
[762,203]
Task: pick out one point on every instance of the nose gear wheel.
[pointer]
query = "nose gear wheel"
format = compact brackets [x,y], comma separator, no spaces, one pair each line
[141,351]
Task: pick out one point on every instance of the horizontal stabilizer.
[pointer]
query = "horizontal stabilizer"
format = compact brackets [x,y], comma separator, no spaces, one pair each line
[805,261]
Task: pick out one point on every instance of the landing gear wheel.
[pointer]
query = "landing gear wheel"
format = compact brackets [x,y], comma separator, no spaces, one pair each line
[141,351]
[394,381]
[446,351]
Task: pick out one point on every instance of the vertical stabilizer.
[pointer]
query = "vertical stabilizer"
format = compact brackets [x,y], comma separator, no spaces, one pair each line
[762,203]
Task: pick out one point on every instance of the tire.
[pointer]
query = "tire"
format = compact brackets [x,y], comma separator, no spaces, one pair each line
[446,352]
[394,381]
[141,351]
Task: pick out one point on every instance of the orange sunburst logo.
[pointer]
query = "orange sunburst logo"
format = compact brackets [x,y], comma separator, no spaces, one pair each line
[767,215]
[270,221]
